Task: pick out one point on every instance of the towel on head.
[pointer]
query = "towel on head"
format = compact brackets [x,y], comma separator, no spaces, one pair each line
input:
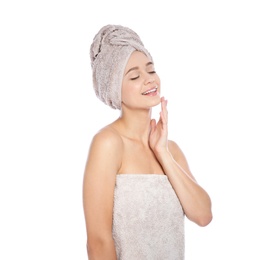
[109,53]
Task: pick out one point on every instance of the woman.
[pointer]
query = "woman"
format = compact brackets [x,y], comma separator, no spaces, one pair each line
[137,183]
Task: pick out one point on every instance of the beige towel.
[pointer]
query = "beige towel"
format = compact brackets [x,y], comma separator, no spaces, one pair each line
[148,220]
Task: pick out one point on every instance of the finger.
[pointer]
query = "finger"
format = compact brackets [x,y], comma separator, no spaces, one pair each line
[163,118]
[164,110]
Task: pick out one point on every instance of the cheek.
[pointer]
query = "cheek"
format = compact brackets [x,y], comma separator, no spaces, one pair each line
[129,91]
[158,79]
[158,83]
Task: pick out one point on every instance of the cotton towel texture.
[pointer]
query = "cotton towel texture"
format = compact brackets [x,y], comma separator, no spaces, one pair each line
[110,51]
[148,219]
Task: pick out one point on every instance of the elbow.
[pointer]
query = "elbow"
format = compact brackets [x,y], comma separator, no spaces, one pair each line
[99,246]
[95,246]
[204,216]
[204,220]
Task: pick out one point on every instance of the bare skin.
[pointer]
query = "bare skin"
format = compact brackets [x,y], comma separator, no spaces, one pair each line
[135,137]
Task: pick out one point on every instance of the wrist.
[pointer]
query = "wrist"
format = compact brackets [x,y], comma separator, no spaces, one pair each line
[163,155]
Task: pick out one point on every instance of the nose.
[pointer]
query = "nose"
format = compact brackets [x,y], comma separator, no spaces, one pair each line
[149,80]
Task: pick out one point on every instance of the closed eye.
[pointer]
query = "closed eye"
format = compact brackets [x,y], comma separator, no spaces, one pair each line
[135,78]
[150,72]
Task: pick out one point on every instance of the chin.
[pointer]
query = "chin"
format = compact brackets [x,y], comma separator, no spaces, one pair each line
[155,102]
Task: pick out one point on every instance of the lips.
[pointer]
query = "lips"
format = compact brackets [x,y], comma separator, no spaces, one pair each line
[149,91]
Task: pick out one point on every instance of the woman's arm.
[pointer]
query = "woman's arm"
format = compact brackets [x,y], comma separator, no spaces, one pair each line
[98,190]
[194,199]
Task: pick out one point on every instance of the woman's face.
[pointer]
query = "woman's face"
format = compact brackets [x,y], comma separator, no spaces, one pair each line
[140,84]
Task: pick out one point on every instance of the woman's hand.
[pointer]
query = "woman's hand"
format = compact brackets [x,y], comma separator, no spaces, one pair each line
[158,138]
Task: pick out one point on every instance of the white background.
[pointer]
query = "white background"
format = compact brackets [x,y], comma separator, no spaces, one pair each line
[212,60]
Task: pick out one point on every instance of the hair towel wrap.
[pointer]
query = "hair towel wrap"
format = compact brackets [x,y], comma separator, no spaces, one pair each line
[109,53]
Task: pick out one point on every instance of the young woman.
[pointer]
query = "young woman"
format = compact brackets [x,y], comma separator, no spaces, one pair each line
[137,184]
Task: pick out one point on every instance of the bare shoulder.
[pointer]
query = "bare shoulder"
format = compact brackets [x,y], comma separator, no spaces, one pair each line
[105,151]
[107,138]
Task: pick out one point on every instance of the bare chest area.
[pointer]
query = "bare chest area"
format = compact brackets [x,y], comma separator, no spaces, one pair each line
[139,158]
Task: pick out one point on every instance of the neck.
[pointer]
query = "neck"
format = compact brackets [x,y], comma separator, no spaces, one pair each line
[135,124]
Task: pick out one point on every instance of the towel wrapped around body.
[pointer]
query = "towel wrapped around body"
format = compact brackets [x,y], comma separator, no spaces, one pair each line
[148,220]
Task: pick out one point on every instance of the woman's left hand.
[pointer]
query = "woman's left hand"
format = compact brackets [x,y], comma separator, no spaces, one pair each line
[158,138]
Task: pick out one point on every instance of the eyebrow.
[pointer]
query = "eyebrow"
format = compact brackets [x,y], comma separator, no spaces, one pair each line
[135,68]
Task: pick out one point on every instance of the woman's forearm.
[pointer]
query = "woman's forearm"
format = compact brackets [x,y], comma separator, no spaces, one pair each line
[194,199]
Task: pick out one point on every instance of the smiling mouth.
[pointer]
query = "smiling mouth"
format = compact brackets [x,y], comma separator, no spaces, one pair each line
[150,91]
